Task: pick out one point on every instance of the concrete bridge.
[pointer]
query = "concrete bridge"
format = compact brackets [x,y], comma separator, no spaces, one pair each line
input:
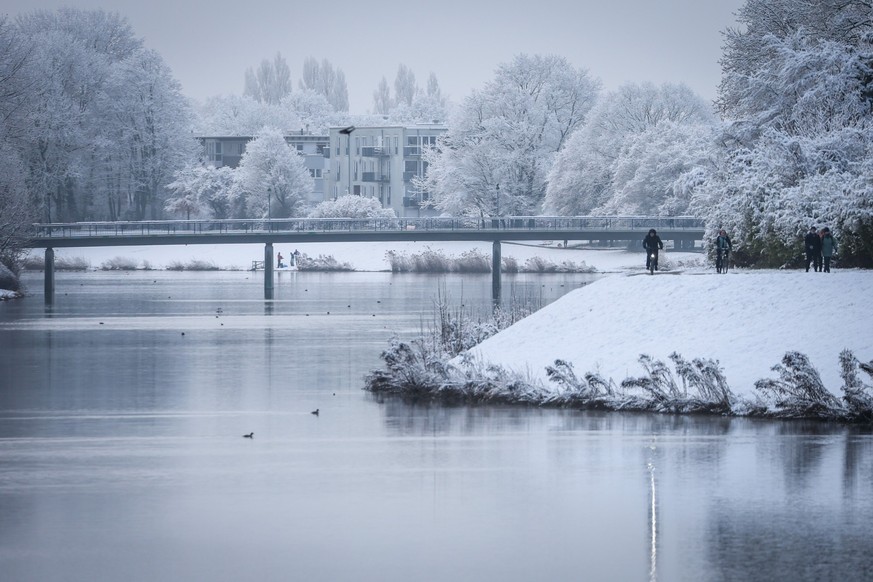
[682,230]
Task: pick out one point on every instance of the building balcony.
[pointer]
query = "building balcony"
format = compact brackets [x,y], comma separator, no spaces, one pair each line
[408,176]
[411,151]
[411,202]
[374,177]
[375,152]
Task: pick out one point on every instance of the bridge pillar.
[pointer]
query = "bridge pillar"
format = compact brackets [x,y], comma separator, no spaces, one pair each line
[268,271]
[49,275]
[495,273]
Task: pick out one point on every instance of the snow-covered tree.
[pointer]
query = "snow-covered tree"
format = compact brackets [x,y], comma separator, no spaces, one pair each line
[382,98]
[325,80]
[145,111]
[235,115]
[270,83]
[503,139]
[313,111]
[616,162]
[203,190]
[351,206]
[404,85]
[797,92]
[272,172]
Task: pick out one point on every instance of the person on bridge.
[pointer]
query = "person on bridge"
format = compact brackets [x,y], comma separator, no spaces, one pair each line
[723,248]
[652,243]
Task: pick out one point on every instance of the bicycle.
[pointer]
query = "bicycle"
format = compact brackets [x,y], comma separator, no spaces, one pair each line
[722,260]
[653,263]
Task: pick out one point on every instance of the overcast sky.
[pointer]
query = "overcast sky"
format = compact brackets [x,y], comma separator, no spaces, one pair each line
[209,45]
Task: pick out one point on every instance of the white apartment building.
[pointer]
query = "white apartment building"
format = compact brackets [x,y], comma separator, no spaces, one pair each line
[381,162]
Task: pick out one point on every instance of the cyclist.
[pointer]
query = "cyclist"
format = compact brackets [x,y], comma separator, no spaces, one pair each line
[723,248]
[652,243]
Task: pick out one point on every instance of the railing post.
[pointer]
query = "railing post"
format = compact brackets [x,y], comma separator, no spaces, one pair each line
[268,271]
[49,275]
[495,273]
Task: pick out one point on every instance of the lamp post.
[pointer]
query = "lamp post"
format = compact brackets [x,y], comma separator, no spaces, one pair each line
[269,211]
[347,131]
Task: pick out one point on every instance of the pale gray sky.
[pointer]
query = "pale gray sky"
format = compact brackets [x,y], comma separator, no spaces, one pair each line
[209,45]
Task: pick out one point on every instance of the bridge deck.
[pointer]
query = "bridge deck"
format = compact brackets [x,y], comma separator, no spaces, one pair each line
[172,232]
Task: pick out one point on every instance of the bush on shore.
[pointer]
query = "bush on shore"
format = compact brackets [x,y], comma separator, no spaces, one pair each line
[421,369]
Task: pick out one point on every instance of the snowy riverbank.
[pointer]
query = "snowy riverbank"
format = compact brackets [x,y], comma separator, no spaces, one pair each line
[745,320]
[766,343]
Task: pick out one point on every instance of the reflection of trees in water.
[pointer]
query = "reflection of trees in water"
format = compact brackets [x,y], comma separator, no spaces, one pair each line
[858,459]
[816,526]
[801,449]
[788,542]
[405,418]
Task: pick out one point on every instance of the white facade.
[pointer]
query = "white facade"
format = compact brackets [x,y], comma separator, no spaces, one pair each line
[381,162]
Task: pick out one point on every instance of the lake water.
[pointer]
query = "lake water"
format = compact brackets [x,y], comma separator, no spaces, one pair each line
[123,405]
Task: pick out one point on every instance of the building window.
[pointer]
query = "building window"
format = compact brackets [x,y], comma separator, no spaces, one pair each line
[300,148]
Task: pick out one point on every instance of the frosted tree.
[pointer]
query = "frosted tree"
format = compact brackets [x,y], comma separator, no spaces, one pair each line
[243,116]
[382,98]
[404,85]
[313,111]
[74,51]
[627,124]
[270,83]
[199,190]
[351,206]
[502,140]
[146,113]
[323,79]
[17,209]
[797,93]
[273,177]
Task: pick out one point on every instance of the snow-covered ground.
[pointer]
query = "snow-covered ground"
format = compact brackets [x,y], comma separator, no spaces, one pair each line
[745,320]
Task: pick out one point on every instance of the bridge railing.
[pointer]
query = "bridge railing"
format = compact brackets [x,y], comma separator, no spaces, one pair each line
[303,225]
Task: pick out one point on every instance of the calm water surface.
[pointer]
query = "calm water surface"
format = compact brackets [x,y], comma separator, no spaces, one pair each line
[121,458]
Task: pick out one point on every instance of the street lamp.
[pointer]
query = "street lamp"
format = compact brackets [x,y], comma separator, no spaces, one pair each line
[347,131]
[269,200]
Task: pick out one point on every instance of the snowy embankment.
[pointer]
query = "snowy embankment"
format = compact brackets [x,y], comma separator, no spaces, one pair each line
[746,321]
[762,343]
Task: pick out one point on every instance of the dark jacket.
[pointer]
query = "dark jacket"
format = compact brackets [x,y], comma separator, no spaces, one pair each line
[723,243]
[812,243]
[652,243]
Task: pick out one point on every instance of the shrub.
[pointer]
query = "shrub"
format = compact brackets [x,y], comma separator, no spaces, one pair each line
[119,264]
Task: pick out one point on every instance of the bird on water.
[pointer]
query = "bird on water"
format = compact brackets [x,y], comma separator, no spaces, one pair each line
[251,435]
[315,412]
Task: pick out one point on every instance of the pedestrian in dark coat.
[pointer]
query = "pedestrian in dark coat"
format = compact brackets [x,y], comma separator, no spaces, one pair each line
[828,248]
[652,243]
[812,244]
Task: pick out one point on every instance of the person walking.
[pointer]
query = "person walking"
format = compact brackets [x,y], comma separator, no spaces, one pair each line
[812,244]
[723,248]
[652,243]
[828,248]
